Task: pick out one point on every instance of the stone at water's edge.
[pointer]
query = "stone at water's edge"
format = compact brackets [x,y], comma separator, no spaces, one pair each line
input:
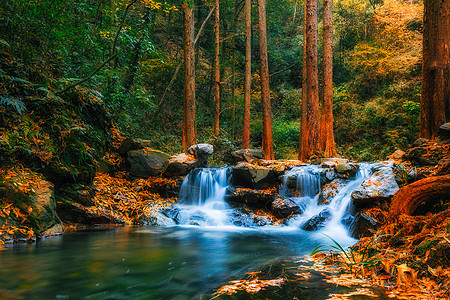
[147,162]
[363,225]
[201,152]
[330,190]
[283,207]
[254,177]
[78,214]
[180,165]
[346,170]
[381,185]
[252,198]
[38,202]
[317,222]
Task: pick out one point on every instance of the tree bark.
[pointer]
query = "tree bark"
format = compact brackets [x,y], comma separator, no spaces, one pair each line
[189,132]
[265,92]
[410,197]
[435,95]
[309,126]
[326,118]
[216,68]
[247,75]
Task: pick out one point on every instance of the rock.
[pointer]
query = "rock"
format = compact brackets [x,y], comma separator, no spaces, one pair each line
[247,218]
[363,225]
[130,144]
[55,230]
[180,165]
[444,131]
[33,196]
[77,193]
[426,156]
[79,214]
[201,152]
[147,162]
[254,177]
[283,207]
[381,185]
[252,198]
[330,190]
[420,142]
[329,162]
[172,213]
[156,219]
[247,155]
[346,170]
[397,155]
[318,221]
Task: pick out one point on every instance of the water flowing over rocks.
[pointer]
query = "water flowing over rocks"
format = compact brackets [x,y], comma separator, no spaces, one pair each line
[346,170]
[381,185]
[250,197]
[283,207]
[317,222]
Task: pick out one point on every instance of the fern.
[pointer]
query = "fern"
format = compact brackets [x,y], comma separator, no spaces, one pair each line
[12,102]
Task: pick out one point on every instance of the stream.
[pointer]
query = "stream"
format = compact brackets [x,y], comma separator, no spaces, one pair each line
[201,251]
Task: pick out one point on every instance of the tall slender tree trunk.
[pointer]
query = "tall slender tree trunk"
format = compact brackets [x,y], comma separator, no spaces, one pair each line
[435,67]
[265,92]
[189,132]
[327,144]
[247,75]
[309,126]
[216,68]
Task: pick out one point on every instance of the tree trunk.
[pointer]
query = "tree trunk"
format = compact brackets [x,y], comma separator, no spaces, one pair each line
[248,75]
[309,126]
[265,92]
[327,144]
[435,67]
[216,68]
[410,197]
[189,134]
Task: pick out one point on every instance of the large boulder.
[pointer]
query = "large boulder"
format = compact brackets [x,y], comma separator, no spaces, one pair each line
[283,207]
[381,185]
[346,170]
[245,155]
[77,213]
[254,177]
[147,162]
[252,198]
[318,221]
[426,154]
[201,152]
[130,144]
[180,165]
[363,225]
[32,196]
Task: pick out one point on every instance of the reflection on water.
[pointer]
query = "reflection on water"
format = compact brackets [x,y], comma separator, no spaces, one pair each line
[141,262]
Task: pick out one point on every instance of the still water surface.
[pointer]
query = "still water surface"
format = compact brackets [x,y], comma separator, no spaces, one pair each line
[142,262]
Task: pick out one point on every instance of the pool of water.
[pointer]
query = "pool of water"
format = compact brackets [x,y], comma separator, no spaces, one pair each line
[142,262]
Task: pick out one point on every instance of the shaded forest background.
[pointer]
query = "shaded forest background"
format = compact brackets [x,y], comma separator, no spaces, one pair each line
[45,46]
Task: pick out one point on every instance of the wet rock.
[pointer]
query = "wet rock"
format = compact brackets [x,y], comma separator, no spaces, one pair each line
[318,221]
[156,219]
[77,193]
[330,190]
[130,144]
[244,155]
[79,214]
[444,131]
[252,198]
[33,196]
[172,213]
[247,218]
[283,207]
[254,177]
[363,225]
[346,170]
[54,230]
[381,185]
[330,162]
[201,152]
[147,162]
[180,165]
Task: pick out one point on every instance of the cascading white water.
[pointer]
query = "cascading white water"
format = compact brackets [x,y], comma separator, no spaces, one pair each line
[307,181]
[202,197]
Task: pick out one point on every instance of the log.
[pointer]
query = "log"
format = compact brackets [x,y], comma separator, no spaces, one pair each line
[410,197]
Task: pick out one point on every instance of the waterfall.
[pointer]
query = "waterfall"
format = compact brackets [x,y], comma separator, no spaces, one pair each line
[202,197]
